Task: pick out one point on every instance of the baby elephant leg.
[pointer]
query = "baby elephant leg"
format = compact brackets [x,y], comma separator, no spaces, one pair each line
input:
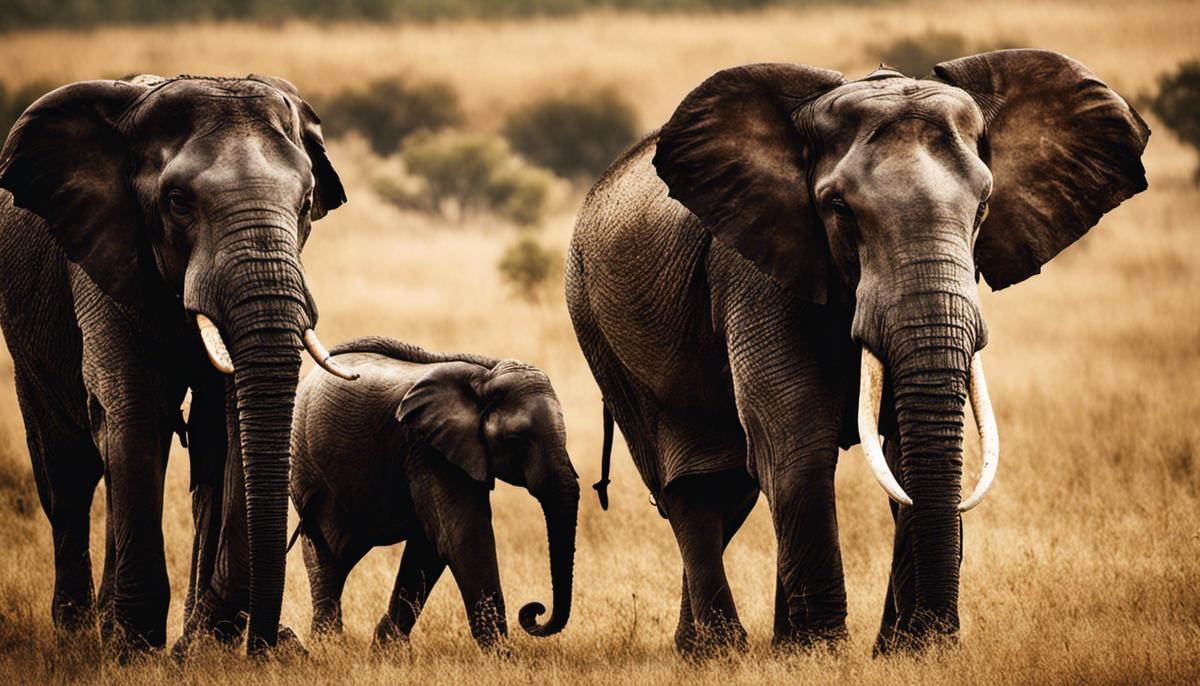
[420,568]
[326,579]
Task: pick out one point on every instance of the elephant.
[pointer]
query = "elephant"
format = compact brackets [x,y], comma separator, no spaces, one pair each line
[144,223]
[410,452]
[839,302]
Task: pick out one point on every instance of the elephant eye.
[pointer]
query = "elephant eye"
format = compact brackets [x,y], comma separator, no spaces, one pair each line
[981,214]
[841,209]
[179,203]
[306,207]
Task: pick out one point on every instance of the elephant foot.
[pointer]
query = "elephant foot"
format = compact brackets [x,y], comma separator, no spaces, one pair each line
[73,616]
[916,638]
[126,641]
[287,648]
[212,619]
[388,636]
[702,642]
[810,641]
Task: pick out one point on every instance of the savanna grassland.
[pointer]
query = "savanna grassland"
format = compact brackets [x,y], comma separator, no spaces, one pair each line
[1082,566]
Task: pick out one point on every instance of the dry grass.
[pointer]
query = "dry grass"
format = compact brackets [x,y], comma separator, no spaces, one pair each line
[1082,566]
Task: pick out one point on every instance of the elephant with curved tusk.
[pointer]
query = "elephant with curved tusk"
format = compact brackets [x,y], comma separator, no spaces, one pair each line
[410,453]
[851,220]
[146,225]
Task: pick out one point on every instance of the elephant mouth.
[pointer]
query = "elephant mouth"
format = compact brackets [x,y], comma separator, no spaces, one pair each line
[218,353]
[870,394]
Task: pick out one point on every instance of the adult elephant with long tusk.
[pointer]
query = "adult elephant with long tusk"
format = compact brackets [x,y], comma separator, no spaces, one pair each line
[851,223]
[146,225]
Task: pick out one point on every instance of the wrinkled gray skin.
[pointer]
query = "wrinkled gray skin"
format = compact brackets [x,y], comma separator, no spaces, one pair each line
[409,453]
[127,208]
[848,215]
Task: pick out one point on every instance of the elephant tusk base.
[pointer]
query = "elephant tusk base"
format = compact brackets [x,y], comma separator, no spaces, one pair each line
[218,354]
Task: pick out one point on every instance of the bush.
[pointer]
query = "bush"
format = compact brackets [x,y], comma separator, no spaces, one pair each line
[527,267]
[14,102]
[1178,104]
[471,173]
[575,135]
[389,110]
[916,56]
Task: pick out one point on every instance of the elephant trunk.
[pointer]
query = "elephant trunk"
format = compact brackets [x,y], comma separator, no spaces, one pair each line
[929,371]
[560,505]
[264,324]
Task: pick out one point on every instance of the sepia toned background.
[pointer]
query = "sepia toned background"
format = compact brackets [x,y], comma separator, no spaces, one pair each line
[1082,566]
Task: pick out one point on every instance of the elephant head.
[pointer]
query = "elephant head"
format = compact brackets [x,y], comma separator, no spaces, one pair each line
[506,423]
[892,195]
[193,197]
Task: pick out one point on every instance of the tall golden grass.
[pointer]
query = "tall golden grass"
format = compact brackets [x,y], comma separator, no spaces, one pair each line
[1082,566]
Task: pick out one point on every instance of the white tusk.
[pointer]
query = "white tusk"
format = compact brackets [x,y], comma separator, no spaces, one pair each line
[323,358]
[985,419]
[870,392]
[218,354]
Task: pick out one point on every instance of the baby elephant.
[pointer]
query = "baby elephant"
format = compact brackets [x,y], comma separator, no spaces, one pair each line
[409,452]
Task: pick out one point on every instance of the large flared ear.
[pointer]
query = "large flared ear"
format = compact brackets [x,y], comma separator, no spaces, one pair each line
[732,155]
[1063,147]
[66,160]
[329,193]
[444,409]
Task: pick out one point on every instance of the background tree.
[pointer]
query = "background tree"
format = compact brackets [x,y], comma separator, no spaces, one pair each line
[1177,104]
[388,110]
[576,135]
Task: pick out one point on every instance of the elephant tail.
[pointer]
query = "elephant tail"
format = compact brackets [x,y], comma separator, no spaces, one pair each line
[601,486]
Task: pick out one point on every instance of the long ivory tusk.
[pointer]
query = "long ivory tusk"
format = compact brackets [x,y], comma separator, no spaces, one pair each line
[218,354]
[985,419]
[870,392]
[323,358]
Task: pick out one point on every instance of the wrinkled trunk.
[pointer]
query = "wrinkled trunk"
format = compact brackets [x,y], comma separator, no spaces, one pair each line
[928,362]
[560,505]
[264,320]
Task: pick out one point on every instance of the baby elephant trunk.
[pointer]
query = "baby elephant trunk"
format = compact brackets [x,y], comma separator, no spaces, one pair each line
[560,505]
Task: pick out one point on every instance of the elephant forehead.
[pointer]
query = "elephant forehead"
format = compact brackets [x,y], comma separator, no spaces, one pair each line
[860,107]
[202,102]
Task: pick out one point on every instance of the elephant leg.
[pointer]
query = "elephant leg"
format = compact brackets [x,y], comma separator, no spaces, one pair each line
[736,508]
[326,581]
[685,630]
[420,569]
[138,590]
[811,587]
[221,596]
[66,469]
[705,511]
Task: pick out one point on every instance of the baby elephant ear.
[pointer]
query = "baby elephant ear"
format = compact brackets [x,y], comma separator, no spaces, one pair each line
[1064,149]
[732,155]
[444,409]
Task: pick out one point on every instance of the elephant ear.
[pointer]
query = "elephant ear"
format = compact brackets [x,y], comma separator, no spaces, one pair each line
[444,409]
[1063,147]
[732,155]
[66,161]
[329,193]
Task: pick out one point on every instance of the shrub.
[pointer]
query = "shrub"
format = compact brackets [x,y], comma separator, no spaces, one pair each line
[470,173]
[916,55]
[1177,104]
[389,110]
[527,267]
[576,135]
